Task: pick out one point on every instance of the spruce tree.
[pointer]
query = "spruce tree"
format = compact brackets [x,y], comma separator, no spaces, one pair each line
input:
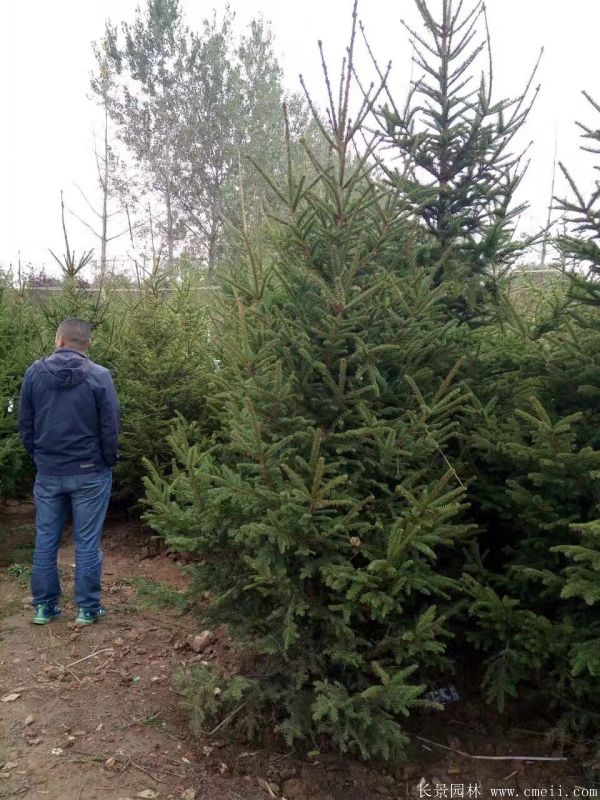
[575,368]
[28,322]
[158,353]
[76,298]
[321,504]
[455,144]
[580,244]
[535,453]
[19,344]
[533,613]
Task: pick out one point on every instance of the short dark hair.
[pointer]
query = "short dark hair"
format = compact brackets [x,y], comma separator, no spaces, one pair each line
[75,331]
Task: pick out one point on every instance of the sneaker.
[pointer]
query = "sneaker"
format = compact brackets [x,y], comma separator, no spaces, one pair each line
[87,617]
[45,613]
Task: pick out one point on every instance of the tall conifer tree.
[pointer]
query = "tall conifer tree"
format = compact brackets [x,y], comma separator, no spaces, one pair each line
[455,142]
[319,509]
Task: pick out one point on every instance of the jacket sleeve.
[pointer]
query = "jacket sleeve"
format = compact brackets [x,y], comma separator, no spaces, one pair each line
[26,415]
[109,413]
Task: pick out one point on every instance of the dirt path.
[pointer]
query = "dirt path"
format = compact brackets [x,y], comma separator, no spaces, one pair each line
[96,715]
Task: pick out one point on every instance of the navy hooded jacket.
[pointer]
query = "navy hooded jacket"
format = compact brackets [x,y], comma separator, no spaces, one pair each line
[69,415]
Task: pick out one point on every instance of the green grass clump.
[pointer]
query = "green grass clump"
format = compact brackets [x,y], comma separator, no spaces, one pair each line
[154,594]
[20,572]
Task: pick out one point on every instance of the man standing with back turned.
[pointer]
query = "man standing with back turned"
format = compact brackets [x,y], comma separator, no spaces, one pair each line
[69,424]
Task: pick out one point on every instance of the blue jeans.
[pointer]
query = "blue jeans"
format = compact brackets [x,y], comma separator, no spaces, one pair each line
[86,497]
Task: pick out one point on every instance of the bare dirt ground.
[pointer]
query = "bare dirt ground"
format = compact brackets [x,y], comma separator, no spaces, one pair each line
[97,716]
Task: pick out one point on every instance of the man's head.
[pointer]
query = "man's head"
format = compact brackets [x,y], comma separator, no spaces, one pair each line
[74,334]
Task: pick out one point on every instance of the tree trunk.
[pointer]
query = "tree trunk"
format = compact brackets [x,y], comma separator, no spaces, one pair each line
[104,181]
[214,231]
[170,246]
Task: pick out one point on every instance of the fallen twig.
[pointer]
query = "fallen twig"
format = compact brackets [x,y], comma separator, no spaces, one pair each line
[226,719]
[66,669]
[103,666]
[283,755]
[146,771]
[470,725]
[491,758]
[265,785]
[127,763]
[89,756]
[91,655]
[47,685]
[119,672]
[15,792]
[529,732]
[54,634]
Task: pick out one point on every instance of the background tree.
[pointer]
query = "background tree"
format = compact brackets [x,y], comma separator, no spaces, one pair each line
[109,180]
[190,106]
[212,136]
[74,299]
[145,76]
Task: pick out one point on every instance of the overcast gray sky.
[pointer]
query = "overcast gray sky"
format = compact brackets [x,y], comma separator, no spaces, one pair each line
[48,120]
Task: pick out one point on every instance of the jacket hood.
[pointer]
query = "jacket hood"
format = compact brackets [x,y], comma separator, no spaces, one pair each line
[64,369]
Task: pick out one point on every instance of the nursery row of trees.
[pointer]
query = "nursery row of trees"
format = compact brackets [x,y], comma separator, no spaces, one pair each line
[385,472]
